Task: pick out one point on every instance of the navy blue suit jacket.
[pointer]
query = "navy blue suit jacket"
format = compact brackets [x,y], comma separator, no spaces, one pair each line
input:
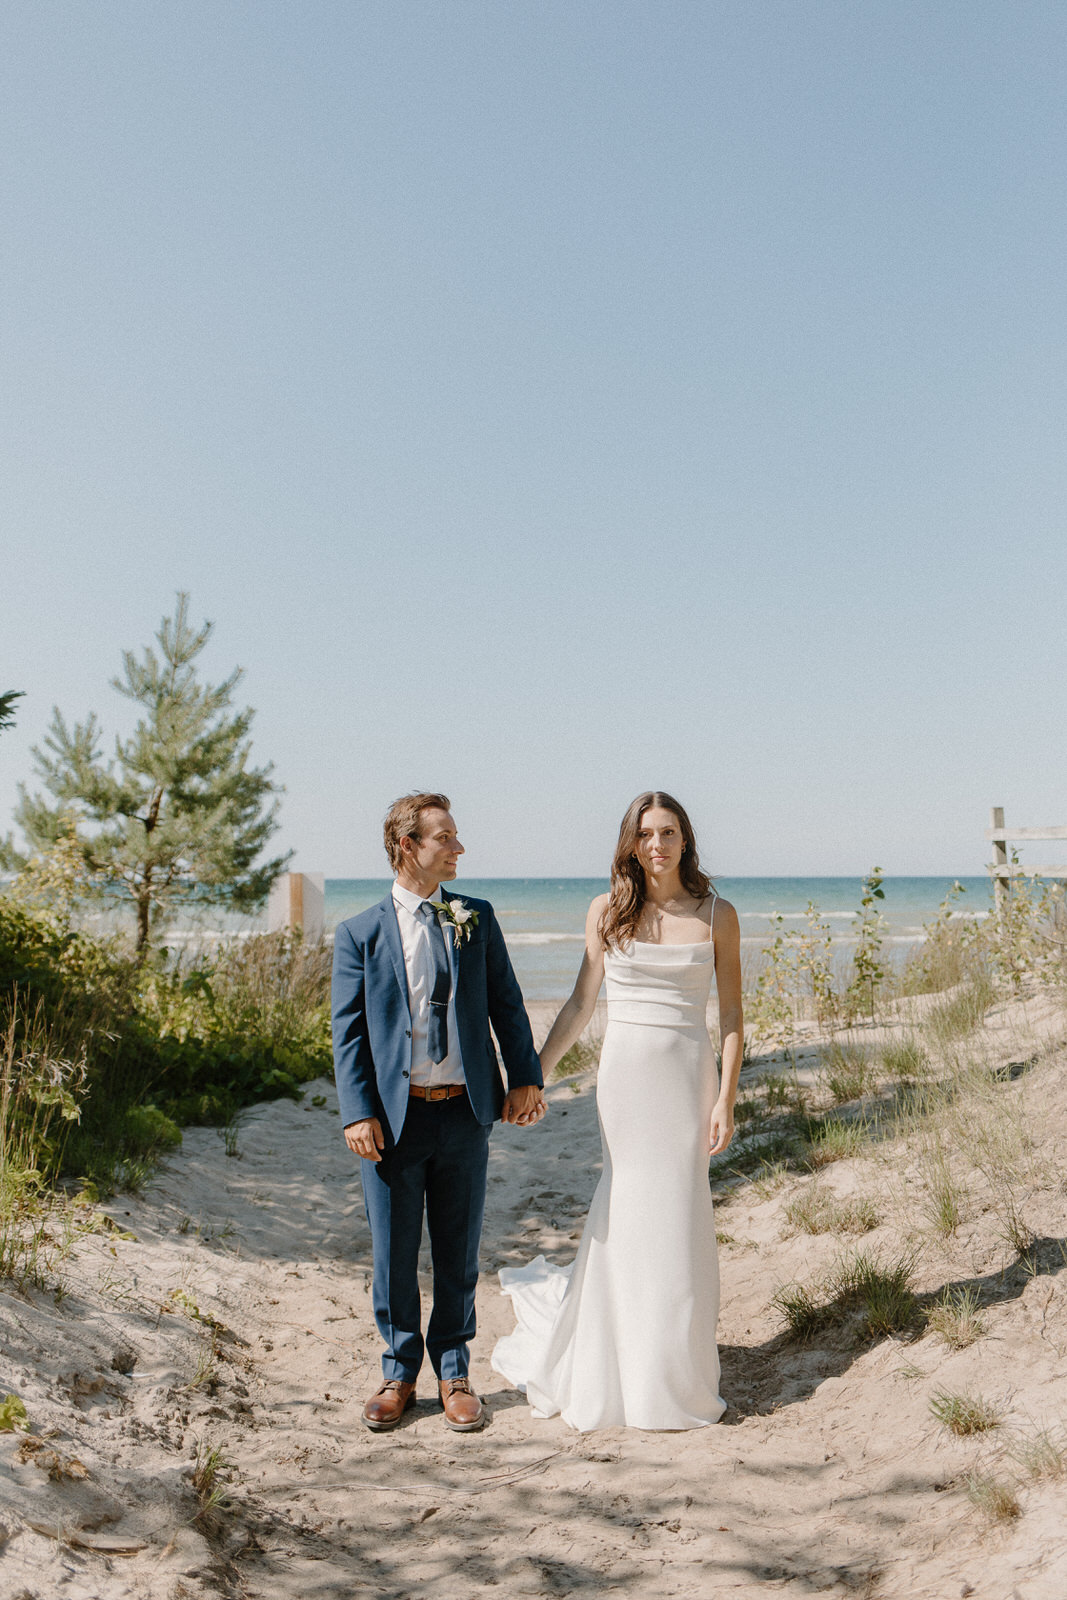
[372,1021]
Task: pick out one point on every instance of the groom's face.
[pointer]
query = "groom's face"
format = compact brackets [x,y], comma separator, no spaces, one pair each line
[437,850]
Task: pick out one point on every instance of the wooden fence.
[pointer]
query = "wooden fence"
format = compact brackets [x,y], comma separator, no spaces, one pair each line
[1001,869]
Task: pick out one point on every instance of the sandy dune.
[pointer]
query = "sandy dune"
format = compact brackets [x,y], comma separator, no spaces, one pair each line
[828,1476]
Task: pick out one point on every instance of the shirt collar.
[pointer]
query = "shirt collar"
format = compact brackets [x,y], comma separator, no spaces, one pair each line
[411,902]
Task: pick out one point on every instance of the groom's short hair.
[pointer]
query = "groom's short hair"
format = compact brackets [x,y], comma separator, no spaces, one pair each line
[402,821]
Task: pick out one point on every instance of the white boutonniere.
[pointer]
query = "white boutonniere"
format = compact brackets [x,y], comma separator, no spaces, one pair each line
[462,919]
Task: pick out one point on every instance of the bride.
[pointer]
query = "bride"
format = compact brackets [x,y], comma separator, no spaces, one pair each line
[626,1334]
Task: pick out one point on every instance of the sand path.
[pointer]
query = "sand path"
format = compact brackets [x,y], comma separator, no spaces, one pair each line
[827,1477]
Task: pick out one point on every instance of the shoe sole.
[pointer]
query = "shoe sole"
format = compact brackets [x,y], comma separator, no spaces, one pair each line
[466,1427]
[387,1427]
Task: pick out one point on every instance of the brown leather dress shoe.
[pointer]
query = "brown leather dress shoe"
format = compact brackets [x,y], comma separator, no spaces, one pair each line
[387,1405]
[463,1410]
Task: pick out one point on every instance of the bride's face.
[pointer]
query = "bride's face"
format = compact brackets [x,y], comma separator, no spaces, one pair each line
[659,841]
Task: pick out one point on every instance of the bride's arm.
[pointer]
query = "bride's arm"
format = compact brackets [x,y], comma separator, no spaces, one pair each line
[578,1010]
[726,933]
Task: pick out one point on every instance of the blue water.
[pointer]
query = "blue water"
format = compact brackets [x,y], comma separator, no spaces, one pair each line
[543,918]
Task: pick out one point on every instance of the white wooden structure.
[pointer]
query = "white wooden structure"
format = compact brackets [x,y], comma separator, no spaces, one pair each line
[1001,869]
[298,900]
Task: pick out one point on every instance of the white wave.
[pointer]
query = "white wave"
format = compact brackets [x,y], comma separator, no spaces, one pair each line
[846,941]
[801,916]
[546,938]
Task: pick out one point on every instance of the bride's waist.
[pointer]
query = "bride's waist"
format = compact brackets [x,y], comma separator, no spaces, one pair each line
[659,1014]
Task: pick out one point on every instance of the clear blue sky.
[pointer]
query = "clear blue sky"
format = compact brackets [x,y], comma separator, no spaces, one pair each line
[548,400]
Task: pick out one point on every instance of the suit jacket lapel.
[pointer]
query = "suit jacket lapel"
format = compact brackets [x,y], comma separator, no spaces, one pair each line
[391,932]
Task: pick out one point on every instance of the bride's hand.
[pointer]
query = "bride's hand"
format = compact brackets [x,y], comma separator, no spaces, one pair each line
[722,1127]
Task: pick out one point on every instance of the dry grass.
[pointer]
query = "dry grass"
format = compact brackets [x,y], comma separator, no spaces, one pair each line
[943,1201]
[212,1500]
[835,1139]
[816,1210]
[993,1497]
[959,1016]
[956,1317]
[769,1178]
[847,1072]
[905,1060]
[964,1414]
[1041,1455]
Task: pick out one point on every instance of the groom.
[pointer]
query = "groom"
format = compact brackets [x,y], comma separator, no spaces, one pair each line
[414,991]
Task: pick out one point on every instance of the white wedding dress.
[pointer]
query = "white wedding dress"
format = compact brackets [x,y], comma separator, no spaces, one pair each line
[625,1336]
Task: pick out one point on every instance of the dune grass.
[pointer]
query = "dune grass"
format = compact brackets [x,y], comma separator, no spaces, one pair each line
[956,1315]
[873,1294]
[816,1210]
[993,1497]
[964,1414]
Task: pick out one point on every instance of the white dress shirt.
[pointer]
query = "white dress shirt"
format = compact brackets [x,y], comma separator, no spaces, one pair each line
[419,966]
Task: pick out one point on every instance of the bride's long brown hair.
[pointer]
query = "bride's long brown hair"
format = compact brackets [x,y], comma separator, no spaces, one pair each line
[618,923]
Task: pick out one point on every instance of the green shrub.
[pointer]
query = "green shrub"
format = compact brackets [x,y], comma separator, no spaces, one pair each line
[157,1045]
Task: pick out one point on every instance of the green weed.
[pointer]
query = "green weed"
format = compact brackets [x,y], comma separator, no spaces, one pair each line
[905,1060]
[834,1139]
[964,1414]
[956,1316]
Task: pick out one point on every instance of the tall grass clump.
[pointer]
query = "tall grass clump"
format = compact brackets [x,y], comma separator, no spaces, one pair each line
[156,1043]
[1041,1455]
[874,1295]
[815,1210]
[993,1497]
[905,1060]
[847,1071]
[944,1195]
[964,1414]
[882,1289]
[957,1317]
[952,946]
[41,1086]
[836,1139]
[953,1019]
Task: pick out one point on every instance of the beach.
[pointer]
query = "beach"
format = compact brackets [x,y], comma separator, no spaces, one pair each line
[543,919]
[226,1309]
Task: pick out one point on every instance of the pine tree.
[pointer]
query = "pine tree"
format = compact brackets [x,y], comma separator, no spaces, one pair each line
[7,707]
[178,815]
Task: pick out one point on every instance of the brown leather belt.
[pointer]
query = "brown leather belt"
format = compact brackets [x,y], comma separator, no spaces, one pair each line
[447,1091]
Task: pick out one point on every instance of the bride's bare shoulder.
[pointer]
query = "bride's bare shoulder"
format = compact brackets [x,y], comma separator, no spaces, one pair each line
[723,915]
[598,903]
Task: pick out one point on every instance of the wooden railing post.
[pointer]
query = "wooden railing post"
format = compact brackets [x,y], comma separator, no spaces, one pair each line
[1004,870]
[1000,859]
[297,901]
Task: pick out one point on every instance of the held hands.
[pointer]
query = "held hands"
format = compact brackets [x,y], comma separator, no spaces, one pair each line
[722,1128]
[524,1106]
[366,1139]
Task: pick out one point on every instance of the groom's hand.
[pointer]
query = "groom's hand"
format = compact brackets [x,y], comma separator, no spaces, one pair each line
[524,1106]
[366,1139]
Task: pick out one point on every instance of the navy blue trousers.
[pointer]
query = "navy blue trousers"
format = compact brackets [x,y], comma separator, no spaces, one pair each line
[437,1169]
